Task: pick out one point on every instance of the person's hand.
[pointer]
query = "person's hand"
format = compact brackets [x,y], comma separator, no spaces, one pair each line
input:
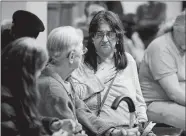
[81,134]
[67,125]
[105,74]
[117,132]
[145,128]
[61,133]
[65,133]
[151,134]
[78,128]
[125,132]
[132,132]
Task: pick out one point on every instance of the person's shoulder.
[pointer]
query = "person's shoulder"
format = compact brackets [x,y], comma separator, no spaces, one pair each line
[130,60]
[49,85]
[129,57]
[45,81]
[159,43]
[43,78]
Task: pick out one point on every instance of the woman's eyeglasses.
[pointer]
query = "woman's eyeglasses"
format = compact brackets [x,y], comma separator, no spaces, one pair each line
[109,35]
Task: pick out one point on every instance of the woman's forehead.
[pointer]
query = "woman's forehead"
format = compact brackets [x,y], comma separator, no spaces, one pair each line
[104,26]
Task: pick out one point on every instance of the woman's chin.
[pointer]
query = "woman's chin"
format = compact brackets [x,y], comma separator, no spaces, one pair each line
[105,54]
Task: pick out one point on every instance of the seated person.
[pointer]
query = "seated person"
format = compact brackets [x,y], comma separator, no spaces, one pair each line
[22,63]
[162,76]
[58,98]
[105,61]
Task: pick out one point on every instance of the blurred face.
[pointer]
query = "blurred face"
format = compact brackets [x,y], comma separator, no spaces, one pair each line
[92,10]
[105,41]
[180,36]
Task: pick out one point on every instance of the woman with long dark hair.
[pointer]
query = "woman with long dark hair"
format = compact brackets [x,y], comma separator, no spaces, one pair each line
[108,68]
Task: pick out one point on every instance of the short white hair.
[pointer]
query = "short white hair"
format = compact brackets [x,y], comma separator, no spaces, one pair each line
[62,40]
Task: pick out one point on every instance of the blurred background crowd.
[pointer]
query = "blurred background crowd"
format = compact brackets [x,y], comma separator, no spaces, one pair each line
[142,21]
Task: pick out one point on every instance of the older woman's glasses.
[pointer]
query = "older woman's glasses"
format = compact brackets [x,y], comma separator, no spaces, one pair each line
[109,35]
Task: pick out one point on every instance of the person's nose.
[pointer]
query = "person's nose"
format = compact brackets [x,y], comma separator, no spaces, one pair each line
[105,38]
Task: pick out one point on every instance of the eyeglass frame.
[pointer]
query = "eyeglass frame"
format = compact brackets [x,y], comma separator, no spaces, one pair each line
[103,34]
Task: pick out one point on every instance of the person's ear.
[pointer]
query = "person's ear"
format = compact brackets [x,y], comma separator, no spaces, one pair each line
[71,57]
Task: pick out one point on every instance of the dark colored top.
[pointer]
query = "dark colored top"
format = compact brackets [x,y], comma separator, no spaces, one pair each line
[12,118]
[6,38]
